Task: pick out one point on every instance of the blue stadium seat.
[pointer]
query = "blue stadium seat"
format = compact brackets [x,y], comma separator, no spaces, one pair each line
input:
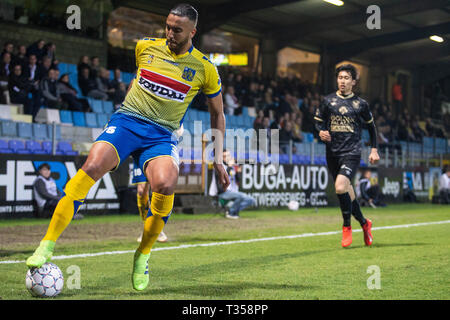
[66,116]
[108,106]
[4,147]
[40,131]
[185,168]
[63,68]
[18,146]
[9,128]
[47,146]
[79,119]
[91,120]
[34,147]
[25,130]
[96,105]
[102,119]
[50,132]
[284,158]
[64,146]
[197,168]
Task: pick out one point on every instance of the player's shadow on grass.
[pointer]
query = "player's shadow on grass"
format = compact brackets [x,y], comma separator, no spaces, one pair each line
[387,245]
[8,253]
[223,289]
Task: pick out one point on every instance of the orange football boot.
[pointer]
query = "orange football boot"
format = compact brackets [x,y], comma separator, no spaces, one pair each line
[346,236]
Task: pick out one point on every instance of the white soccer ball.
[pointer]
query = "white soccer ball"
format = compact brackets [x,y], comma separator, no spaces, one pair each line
[46,281]
[293,205]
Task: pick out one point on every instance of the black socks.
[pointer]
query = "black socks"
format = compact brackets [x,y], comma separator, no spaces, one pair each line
[346,207]
[356,212]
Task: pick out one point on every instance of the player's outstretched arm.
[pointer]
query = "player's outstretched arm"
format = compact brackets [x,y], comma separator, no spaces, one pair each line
[215,107]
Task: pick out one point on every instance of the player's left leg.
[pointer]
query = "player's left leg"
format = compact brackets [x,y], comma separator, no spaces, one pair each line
[162,173]
[143,204]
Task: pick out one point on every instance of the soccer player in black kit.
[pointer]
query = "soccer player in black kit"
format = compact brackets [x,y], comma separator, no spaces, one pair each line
[339,120]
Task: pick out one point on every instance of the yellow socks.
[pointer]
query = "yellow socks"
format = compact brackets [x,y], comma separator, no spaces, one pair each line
[142,203]
[161,207]
[75,193]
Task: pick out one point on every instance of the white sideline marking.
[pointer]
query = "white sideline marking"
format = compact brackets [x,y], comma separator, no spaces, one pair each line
[224,243]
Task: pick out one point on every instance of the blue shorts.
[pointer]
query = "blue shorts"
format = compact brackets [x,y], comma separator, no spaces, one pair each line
[141,139]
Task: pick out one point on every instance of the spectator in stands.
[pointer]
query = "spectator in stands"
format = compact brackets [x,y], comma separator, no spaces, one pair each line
[417,131]
[83,63]
[119,95]
[95,67]
[19,87]
[89,87]
[8,47]
[69,95]
[33,71]
[104,84]
[50,90]
[258,123]
[252,97]
[49,51]
[5,70]
[402,130]
[239,86]
[46,65]
[117,78]
[433,129]
[285,137]
[297,130]
[308,119]
[45,192]
[370,192]
[37,49]
[240,200]
[231,101]
[444,186]
[21,57]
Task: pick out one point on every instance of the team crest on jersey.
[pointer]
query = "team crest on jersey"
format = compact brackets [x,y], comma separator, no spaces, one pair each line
[355,104]
[343,110]
[163,86]
[188,74]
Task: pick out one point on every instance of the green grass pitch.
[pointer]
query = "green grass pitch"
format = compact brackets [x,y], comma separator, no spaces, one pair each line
[413,261]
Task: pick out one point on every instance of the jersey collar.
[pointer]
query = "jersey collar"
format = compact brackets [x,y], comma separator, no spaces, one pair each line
[342,97]
[175,56]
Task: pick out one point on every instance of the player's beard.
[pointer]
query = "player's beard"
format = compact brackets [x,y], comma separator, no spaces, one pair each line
[177,46]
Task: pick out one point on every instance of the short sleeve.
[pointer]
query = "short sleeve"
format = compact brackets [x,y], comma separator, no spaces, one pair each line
[213,84]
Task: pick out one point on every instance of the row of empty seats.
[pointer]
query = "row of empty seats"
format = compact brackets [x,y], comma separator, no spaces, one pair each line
[36,147]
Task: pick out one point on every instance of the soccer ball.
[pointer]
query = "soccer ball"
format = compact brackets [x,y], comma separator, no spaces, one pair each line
[46,281]
[293,205]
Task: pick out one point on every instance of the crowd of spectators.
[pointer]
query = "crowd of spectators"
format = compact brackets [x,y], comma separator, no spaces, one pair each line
[289,104]
[30,76]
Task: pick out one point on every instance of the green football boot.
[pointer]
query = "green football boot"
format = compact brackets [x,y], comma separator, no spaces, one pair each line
[140,276]
[42,254]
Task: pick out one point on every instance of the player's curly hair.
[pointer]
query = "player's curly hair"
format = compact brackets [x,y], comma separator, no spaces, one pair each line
[349,68]
[185,10]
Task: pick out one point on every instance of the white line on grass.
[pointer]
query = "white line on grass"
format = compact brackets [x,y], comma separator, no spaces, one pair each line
[224,243]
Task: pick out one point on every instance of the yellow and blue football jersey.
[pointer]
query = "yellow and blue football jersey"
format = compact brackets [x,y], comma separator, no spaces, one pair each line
[166,83]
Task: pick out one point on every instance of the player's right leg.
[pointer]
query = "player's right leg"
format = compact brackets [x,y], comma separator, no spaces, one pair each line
[102,158]
[342,186]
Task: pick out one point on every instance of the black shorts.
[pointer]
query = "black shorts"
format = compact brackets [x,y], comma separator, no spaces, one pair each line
[347,166]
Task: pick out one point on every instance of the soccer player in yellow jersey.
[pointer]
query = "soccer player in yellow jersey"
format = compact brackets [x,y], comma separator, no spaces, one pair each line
[170,73]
